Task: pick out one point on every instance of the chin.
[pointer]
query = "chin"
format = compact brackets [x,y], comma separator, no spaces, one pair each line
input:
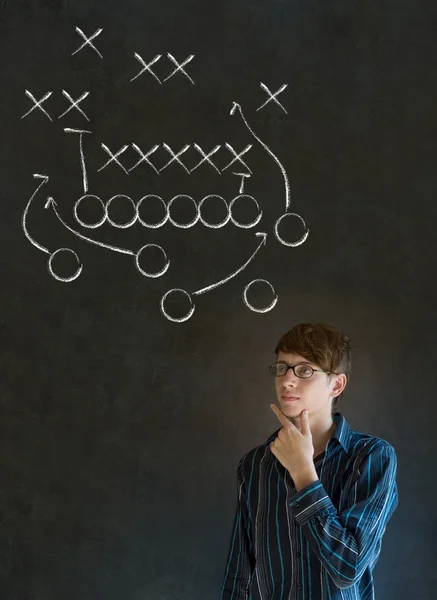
[293,409]
[290,409]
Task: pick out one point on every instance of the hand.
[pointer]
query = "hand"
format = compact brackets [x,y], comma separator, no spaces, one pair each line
[294,449]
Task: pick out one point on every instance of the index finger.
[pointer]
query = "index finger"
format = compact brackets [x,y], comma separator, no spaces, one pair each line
[285,422]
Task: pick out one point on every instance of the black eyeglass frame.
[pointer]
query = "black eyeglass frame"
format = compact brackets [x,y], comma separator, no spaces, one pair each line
[270,367]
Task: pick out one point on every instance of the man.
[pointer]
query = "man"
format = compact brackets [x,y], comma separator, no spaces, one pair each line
[315,499]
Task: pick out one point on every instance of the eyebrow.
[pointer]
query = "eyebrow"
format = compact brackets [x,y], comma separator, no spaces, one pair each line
[284,362]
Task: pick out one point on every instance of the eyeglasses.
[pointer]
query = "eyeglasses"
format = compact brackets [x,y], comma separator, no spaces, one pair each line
[302,371]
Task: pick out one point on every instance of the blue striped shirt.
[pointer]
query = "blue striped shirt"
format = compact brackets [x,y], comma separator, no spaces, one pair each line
[321,543]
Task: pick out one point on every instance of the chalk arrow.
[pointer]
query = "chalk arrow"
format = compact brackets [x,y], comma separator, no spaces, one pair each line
[263,242]
[235,107]
[52,204]
[43,180]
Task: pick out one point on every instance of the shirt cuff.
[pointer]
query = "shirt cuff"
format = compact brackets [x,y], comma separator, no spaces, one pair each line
[311,501]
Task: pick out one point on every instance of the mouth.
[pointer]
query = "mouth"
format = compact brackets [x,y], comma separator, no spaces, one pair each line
[290,398]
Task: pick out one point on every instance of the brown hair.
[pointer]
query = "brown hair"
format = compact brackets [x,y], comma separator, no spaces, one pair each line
[321,344]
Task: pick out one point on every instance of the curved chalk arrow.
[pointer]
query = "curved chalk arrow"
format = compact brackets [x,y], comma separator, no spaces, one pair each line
[51,203]
[236,106]
[44,179]
[214,285]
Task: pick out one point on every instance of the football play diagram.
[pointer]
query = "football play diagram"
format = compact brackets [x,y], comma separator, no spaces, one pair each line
[237,164]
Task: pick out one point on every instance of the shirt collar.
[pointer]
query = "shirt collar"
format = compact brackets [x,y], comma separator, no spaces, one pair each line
[342,432]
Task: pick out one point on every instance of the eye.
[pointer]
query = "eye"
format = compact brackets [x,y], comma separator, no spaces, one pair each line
[304,370]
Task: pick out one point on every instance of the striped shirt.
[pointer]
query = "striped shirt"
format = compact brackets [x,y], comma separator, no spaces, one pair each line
[322,542]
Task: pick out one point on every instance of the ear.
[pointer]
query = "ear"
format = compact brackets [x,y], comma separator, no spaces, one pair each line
[340,383]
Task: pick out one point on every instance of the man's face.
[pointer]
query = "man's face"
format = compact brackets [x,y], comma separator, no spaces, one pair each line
[294,394]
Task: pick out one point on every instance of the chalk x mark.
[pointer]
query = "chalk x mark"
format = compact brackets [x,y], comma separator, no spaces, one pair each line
[146,66]
[263,242]
[206,157]
[237,156]
[175,157]
[114,157]
[37,104]
[74,104]
[88,41]
[179,66]
[145,157]
[272,97]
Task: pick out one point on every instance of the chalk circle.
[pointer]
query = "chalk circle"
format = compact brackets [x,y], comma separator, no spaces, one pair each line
[245,225]
[293,216]
[89,225]
[214,225]
[259,310]
[58,277]
[148,273]
[177,319]
[121,225]
[183,225]
[152,225]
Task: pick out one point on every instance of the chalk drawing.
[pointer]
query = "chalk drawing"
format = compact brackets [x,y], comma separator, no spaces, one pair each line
[237,164]
[43,180]
[37,104]
[179,66]
[272,97]
[74,104]
[88,41]
[147,67]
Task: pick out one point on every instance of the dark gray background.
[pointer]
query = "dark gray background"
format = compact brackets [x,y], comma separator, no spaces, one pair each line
[120,430]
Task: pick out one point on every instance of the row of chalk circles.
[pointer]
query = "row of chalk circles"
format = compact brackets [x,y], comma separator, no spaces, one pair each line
[105,207]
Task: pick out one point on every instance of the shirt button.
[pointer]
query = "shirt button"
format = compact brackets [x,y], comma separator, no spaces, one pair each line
[299,586]
[296,504]
[298,554]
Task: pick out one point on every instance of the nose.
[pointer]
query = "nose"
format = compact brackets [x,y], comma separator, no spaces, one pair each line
[290,378]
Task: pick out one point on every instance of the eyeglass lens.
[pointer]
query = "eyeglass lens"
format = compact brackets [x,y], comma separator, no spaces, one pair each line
[302,371]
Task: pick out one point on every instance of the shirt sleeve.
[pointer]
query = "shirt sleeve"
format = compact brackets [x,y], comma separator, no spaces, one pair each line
[347,543]
[241,560]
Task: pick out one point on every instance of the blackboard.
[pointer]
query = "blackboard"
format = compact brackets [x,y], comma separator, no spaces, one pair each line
[242,167]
